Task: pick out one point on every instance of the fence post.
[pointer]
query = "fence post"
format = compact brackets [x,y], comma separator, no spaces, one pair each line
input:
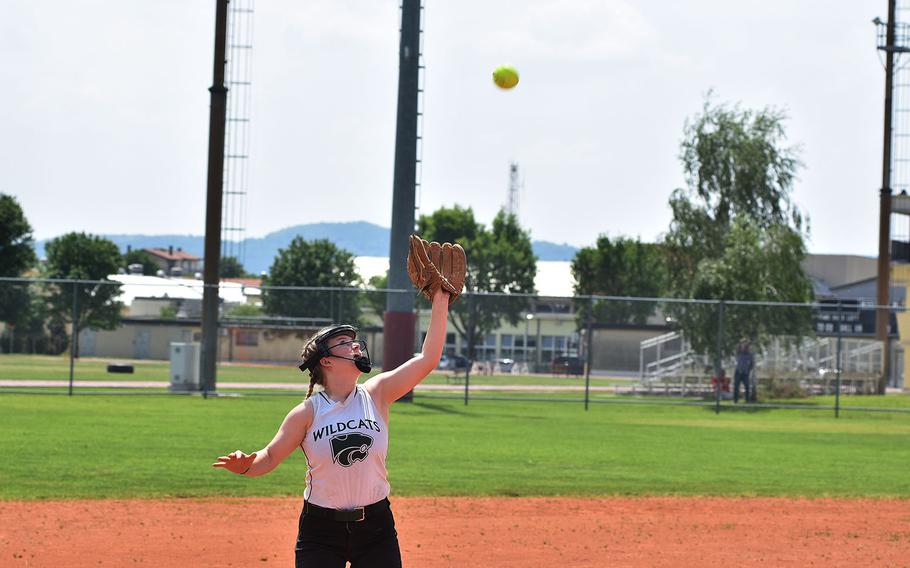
[641,363]
[718,358]
[74,334]
[590,354]
[467,371]
[838,365]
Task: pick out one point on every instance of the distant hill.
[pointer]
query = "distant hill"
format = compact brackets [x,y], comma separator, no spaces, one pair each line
[359,237]
[545,250]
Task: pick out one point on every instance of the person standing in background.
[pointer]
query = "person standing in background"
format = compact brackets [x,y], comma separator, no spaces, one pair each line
[744,364]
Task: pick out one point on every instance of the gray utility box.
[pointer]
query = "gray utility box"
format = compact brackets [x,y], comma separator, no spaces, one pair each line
[184,367]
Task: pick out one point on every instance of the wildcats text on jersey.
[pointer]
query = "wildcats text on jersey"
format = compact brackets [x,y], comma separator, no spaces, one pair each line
[338,427]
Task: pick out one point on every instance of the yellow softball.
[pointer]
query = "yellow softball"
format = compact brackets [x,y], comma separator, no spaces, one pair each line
[505,77]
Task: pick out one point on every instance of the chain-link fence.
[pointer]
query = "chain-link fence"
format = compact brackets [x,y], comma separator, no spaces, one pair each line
[136,334]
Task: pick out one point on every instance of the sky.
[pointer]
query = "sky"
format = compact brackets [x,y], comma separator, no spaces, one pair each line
[104,110]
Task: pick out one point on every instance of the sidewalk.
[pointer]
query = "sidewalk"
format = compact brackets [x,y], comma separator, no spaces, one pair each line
[299,386]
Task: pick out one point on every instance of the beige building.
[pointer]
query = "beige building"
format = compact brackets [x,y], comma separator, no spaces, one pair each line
[151,339]
[534,341]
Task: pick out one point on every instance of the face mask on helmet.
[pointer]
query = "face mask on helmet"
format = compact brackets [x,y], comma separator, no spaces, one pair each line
[362,362]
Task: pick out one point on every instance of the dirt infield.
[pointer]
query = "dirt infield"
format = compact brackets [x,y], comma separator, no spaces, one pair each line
[436,532]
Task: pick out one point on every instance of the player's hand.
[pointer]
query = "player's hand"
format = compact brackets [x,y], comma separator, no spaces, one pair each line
[236,462]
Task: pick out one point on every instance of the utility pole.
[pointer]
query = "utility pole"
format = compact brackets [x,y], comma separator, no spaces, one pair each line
[882,298]
[217,115]
[399,320]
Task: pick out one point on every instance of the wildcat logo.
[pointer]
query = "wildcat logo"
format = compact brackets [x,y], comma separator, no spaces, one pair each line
[350,448]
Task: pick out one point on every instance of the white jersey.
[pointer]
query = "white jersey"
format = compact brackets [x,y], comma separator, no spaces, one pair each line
[345,449]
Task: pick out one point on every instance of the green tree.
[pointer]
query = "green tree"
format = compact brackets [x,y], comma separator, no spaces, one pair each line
[230,267]
[168,312]
[79,256]
[32,328]
[30,333]
[500,260]
[756,265]
[149,266]
[16,256]
[317,263]
[735,234]
[374,299]
[618,267]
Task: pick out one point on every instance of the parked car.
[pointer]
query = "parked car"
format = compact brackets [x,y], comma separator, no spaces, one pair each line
[453,363]
[567,365]
[505,365]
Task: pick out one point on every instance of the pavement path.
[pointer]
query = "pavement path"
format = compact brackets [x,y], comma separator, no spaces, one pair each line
[297,386]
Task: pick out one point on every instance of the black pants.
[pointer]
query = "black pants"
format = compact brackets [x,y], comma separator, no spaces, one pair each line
[370,543]
[740,377]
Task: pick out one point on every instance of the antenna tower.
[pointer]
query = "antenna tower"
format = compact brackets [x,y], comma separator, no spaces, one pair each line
[513,205]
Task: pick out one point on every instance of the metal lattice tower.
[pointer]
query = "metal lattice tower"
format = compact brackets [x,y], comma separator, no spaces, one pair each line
[238,80]
[421,85]
[900,161]
[900,130]
[513,204]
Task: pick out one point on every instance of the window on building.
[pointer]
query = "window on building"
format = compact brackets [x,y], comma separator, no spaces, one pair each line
[487,350]
[547,345]
[553,345]
[505,346]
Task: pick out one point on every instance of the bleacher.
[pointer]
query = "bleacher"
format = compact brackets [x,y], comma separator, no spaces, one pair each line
[668,366]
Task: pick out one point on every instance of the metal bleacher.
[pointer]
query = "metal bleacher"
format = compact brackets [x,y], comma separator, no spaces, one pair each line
[668,365]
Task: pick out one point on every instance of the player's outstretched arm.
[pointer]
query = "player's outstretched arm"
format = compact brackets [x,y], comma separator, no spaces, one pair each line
[235,462]
[392,385]
[289,436]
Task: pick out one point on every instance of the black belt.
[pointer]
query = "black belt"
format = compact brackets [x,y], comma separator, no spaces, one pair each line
[346,515]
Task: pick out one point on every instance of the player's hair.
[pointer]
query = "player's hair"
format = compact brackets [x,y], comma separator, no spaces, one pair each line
[309,349]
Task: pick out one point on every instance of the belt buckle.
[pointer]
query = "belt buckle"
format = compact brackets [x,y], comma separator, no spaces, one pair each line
[362,514]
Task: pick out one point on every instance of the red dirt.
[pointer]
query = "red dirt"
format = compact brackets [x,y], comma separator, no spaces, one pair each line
[437,532]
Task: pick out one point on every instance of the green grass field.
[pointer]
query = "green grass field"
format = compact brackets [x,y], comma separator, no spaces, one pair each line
[155,446]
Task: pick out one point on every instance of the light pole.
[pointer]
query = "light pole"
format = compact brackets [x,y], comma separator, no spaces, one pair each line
[400,320]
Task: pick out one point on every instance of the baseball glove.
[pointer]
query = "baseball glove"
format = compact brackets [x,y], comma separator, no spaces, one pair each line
[432,266]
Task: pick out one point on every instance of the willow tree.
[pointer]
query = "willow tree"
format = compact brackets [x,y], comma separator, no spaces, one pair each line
[735,232]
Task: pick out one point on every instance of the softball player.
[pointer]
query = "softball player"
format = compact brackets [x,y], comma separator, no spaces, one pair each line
[343,432]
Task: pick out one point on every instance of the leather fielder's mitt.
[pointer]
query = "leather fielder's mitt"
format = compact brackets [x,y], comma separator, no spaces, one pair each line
[432,266]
